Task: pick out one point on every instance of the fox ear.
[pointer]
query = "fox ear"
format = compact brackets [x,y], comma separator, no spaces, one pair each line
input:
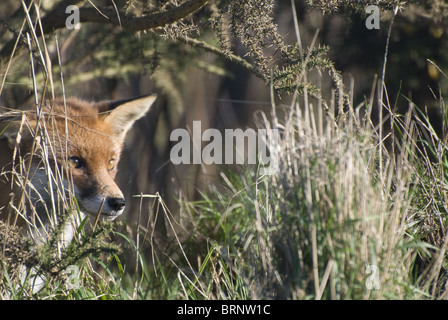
[122,114]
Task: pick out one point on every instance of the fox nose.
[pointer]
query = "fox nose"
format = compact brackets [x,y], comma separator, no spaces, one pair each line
[116,204]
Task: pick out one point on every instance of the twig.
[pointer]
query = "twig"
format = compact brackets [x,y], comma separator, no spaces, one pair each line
[56,19]
[229,56]
[128,21]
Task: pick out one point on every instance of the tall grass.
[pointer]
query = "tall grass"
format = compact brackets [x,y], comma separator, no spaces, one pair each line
[27,259]
[352,214]
[333,223]
[328,225]
[325,227]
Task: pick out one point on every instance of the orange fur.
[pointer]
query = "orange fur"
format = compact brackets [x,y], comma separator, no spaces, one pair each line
[83,142]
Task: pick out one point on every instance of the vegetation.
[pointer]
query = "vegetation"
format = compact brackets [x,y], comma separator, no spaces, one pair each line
[357,209]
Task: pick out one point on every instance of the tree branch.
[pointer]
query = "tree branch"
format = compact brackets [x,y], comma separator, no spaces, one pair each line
[130,22]
[229,56]
[56,19]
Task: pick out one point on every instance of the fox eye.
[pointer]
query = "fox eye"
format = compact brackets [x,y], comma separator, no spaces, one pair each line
[74,162]
[111,164]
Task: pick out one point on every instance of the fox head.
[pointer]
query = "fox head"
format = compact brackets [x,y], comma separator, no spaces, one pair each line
[81,140]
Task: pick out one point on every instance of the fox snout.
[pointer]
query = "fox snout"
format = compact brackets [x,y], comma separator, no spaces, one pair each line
[117,204]
[114,208]
[111,207]
[100,195]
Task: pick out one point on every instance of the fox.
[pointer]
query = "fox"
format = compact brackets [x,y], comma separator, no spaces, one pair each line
[64,147]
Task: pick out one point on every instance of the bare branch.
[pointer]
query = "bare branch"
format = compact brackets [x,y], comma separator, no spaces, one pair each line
[56,18]
[230,56]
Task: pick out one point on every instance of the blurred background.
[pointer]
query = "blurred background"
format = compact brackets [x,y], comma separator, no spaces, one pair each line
[103,61]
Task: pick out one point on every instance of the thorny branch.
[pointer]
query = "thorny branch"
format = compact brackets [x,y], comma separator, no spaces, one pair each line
[127,21]
[56,19]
